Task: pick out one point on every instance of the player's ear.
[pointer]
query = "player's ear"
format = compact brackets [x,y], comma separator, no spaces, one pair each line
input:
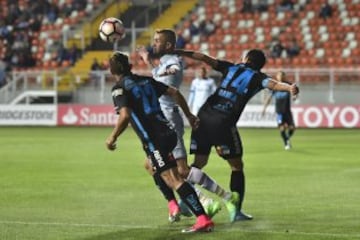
[168,45]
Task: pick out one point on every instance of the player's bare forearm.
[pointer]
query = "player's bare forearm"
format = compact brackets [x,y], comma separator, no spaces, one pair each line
[120,126]
[280,86]
[180,100]
[145,55]
[198,56]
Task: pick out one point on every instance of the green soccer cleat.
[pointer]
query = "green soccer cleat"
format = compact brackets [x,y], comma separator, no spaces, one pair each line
[212,208]
[232,205]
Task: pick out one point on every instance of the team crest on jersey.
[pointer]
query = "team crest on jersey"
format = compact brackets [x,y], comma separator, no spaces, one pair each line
[117,92]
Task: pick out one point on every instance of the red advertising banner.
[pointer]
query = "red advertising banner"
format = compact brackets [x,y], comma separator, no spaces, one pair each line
[306,116]
[86,115]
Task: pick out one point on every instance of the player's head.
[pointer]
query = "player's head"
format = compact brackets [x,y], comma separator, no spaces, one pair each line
[202,72]
[164,41]
[255,59]
[280,76]
[119,64]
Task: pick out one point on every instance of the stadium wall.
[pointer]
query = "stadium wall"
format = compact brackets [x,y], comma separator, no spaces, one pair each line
[305,116]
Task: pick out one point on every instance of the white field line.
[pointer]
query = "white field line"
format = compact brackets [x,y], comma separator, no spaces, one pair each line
[133,226]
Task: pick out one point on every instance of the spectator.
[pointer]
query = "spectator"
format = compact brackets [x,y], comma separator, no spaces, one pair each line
[325,10]
[207,27]
[247,6]
[95,66]
[2,73]
[74,54]
[293,49]
[262,6]
[276,49]
[95,76]
[285,5]
[180,40]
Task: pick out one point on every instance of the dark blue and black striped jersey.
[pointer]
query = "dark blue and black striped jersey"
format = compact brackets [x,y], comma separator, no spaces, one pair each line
[140,94]
[282,101]
[239,84]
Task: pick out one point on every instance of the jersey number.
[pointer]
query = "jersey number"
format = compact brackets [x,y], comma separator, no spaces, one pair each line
[241,82]
[148,97]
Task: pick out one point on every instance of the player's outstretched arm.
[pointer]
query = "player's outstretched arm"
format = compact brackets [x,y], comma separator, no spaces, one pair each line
[120,126]
[145,55]
[266,104]
[280,86]
[213,62]
[180,100]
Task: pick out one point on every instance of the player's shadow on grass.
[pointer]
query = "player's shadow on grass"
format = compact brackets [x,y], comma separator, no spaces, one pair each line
[170,232]
[146,234]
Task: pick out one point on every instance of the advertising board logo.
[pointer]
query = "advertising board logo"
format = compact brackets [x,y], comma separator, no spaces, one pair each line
[70,117]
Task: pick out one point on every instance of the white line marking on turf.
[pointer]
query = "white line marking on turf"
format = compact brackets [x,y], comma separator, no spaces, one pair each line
[134,226]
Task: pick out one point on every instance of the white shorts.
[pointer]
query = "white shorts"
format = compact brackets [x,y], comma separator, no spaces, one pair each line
[175,118]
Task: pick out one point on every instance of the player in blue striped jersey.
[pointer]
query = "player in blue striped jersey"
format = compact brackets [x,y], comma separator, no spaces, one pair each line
[220,113]
[136,101]
[284,116]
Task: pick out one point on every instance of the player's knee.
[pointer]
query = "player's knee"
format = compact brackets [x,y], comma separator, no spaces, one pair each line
[236,164]
[173,180]
[183,172]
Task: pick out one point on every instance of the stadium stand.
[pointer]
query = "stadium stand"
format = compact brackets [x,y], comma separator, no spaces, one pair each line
[32,33]
[323,42]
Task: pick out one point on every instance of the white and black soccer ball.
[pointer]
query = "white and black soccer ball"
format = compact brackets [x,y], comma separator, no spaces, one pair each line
[111,29]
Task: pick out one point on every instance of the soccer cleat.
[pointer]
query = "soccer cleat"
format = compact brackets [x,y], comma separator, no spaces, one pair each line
[240,216]
[174,211]
[288,145]
[212,208]
[203,224]
[232,205]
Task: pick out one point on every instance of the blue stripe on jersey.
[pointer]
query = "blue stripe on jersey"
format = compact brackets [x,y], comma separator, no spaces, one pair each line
[145,135]
[280,94]
[148,96]
[241,82]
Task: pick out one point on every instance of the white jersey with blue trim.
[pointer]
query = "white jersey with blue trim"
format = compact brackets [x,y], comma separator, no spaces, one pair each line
[200,90]
[169,61]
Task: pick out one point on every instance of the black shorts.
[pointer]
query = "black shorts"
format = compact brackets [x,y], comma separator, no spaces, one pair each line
[285,118]
[225,139]
[160,153]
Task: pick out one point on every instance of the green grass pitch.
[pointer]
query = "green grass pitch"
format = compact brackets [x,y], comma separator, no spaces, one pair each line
[62,183]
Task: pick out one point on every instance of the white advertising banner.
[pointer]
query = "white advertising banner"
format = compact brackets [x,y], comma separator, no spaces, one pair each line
[305,116]
[31,115]
[253,117]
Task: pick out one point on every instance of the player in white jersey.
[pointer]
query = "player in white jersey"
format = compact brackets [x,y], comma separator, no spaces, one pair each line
[200,89]
[169,71]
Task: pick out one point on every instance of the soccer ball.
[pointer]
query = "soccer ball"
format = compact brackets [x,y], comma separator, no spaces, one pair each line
[111,29]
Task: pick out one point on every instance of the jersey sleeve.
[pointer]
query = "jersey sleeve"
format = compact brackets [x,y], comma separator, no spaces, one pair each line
[264,80]
[170,62]
[159,87]
[119,98]
[223,66]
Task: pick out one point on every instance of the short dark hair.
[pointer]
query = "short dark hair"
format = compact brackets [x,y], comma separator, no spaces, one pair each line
[169,34]
[256,59]
[119,63]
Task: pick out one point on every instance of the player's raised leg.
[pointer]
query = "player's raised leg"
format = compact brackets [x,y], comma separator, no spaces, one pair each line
[190,198]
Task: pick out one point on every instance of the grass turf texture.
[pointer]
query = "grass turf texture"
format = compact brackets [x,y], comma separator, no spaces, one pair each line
[62,183]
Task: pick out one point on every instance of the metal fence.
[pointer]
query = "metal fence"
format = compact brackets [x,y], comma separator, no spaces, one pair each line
[318,86]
